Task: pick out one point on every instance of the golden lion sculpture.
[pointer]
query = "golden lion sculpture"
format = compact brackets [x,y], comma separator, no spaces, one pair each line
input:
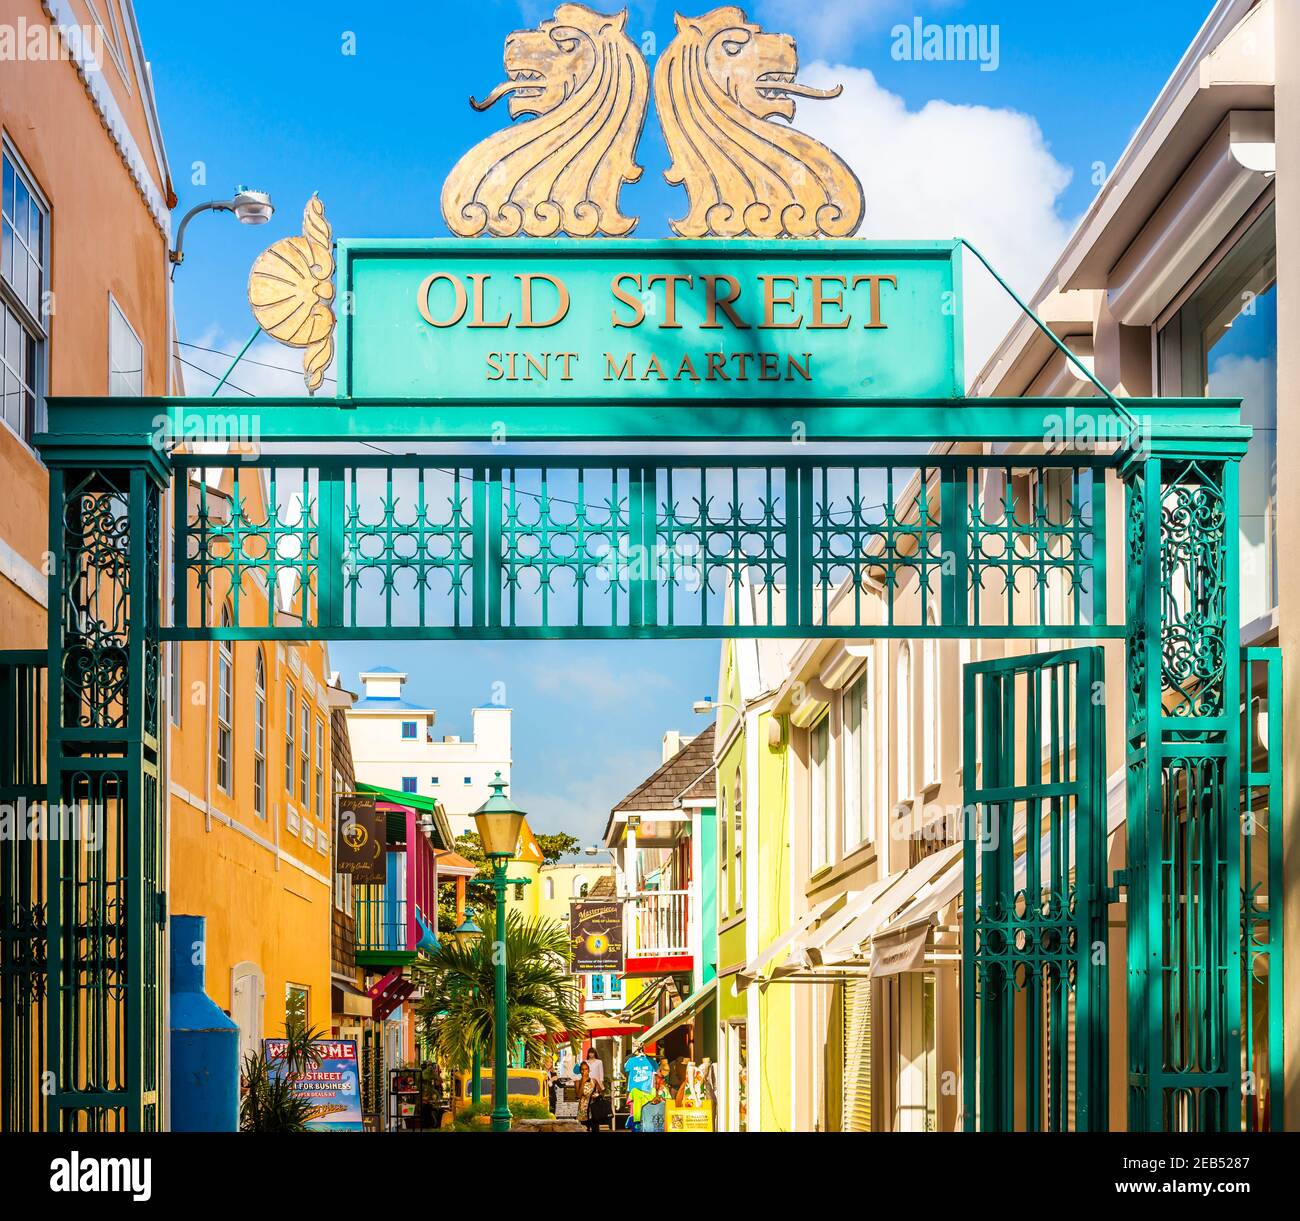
[586,85]
[717,86]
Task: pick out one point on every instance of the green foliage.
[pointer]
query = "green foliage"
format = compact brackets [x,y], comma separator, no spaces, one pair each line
[479,898]
[268,1102]
[478,890]
[456,1011]
[561,844]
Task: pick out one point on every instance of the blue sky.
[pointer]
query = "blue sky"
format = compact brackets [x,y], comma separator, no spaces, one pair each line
[267,97]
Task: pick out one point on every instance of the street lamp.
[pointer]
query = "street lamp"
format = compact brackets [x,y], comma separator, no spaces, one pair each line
[249,208]
[499,822]
[466,935]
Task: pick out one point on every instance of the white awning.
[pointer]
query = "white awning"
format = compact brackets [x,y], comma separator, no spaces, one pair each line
[847,944]
[808,949]
[929,903]
[773,958]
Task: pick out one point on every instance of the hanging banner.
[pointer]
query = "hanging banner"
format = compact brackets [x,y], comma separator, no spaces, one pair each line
[361,839]
[894,953]
[333,1088]
[665,321]
[596,934]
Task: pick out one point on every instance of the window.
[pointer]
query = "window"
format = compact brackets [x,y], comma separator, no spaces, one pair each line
[290,720]
[409,785]
[615,986]
[724,888]
[579,886]
[259,736]
[598,986]
[1223,341]
[930,712]
[737,845]
[433,780]
[548,888]
[175,685]
[965,656]
[24,233]
[469,780]
[297,1005]
[304,748]
[225,706]
[125,355]
[859,820]
[410,730]
[819,797]
[320,770]
[903,722]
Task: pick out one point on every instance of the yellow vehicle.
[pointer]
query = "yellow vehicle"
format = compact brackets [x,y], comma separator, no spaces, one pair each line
[525,1085]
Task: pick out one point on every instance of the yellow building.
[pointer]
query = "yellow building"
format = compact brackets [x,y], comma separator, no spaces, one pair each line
[251,801]
[563,882]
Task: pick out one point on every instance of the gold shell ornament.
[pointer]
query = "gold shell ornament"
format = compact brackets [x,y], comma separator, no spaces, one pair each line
[290,288]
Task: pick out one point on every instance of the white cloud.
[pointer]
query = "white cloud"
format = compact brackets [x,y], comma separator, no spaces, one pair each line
[598,686]
[946,171]
[579,799]
[1251,378]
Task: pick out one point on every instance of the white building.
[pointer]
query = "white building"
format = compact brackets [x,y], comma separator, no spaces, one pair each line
[394,745]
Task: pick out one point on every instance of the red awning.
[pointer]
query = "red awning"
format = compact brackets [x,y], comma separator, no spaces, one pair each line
[614,1030]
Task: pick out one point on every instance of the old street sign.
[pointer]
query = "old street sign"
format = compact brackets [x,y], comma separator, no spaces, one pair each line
[557,320]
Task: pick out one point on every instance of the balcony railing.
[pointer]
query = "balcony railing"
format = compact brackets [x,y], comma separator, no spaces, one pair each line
[388,916]
[656,923]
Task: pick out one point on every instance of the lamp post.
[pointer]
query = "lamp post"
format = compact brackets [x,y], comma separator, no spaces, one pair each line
[248,207]
[466,935]
[499,822]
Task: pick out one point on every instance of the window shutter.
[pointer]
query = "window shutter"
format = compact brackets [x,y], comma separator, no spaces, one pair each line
[856,1110]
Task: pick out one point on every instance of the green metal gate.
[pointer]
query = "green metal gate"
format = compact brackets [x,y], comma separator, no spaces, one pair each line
[1034,899]
[22,891]
[586,545]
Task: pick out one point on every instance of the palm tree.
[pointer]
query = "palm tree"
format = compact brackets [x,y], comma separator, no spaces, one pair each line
[456,1008]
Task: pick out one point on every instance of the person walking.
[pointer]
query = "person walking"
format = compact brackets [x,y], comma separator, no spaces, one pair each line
[589,1090]
[597,1067]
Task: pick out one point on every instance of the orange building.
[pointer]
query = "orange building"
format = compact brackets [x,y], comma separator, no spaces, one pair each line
[252,805]
[85,308]
[84,288]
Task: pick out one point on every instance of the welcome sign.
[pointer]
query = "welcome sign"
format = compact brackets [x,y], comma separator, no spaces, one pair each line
[559,321]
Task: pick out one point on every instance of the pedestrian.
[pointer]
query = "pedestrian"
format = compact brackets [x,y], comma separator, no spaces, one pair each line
[589,1090]
[597,1066]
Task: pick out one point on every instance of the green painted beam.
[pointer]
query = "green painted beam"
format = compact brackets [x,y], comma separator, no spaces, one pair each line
[98,425]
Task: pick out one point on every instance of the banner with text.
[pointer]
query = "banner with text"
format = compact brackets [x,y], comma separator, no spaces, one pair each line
[596,933]
[465,321]
[332,1088]
[361,840]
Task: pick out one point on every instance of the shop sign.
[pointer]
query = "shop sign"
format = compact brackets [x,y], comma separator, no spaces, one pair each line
[333,1088]
[361,839]
[899,952]
[689,1118]
[596,935]
[660,321]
